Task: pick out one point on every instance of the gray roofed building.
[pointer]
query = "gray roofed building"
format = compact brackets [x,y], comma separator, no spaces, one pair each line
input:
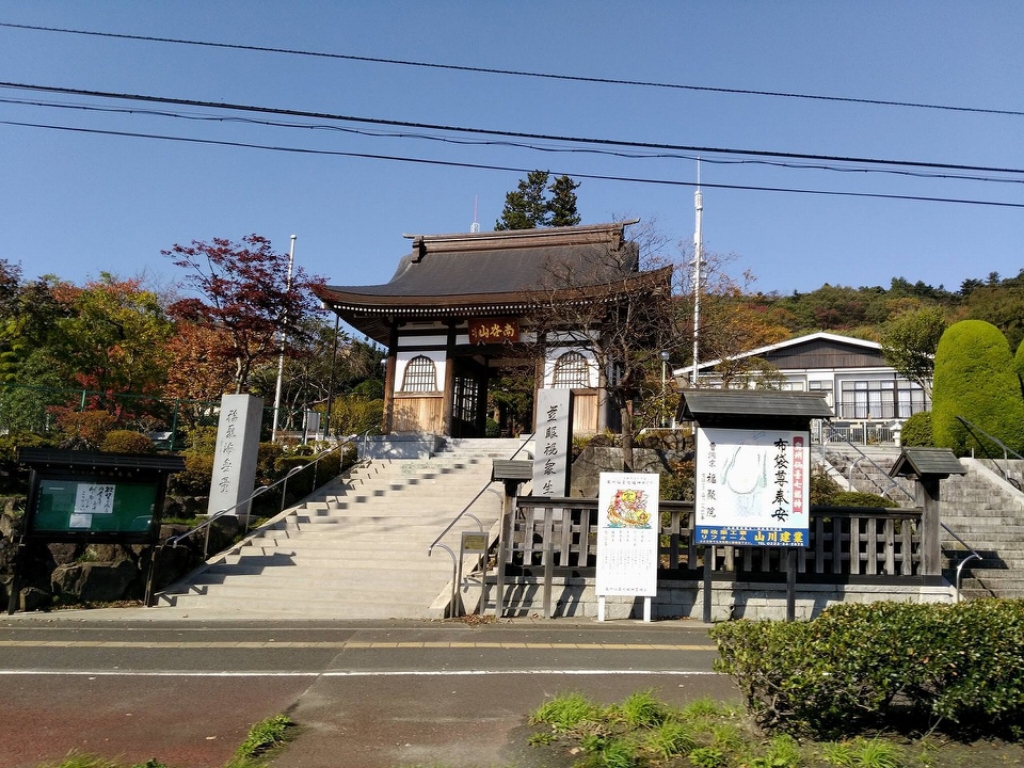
[456,315]
[493,273]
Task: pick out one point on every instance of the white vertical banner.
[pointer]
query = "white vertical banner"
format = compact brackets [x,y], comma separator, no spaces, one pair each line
[553,438]
[627,534]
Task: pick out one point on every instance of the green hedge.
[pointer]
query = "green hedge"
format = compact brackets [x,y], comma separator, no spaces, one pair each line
[975,378]
[917,430]
[879,665]
[127,441]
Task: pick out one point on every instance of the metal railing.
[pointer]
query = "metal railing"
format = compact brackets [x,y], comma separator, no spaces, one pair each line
[466,513]
[848,409]
[174,540]
[833,435]
[971,428]
[971,552]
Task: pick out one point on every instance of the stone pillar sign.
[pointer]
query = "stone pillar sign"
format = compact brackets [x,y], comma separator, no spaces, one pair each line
[553,437]
[234,461]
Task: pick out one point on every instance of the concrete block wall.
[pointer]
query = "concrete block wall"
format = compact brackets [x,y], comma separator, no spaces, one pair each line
[575,597]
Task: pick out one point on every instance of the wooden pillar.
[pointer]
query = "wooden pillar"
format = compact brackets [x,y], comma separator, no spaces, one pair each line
[927,497]
[448,410]
[602,399]
[483,381]
[389,380]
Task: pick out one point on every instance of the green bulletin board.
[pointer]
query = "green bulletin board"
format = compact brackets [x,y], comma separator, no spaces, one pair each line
[94,506]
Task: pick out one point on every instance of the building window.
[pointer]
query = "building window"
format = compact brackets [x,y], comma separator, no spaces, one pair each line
[881,399]
[823,386]
[572,371]
[420,375]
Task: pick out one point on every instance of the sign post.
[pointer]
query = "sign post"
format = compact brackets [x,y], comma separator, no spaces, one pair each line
[753,474]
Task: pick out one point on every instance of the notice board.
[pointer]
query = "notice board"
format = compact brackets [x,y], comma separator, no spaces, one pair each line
[75,505]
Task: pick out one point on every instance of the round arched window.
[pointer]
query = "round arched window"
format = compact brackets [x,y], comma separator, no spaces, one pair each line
[572,371]
[420,375]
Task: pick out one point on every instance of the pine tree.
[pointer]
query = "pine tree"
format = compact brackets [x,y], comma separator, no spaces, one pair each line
[562,205]
[535,203]
[526,207]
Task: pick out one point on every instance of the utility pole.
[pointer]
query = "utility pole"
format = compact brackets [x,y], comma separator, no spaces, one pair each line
[280,358]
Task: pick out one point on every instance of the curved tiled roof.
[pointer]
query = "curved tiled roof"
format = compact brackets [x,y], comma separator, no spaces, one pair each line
[497,272]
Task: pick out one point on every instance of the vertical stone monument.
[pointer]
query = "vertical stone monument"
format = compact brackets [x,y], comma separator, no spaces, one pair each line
[553,436]
[234,460]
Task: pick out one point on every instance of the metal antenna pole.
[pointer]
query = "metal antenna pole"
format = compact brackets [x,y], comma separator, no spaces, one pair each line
[280,359]
[698,248]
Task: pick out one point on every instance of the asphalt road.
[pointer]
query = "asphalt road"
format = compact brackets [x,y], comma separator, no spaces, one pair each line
[134,686]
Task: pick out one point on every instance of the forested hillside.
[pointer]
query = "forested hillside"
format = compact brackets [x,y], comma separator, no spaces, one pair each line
[866,312]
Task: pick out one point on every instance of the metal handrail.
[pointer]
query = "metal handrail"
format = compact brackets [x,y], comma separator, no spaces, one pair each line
[1006,450]
[473,501]
[972,554]
[174,540]
[465,512]
[960,567]
[833,432]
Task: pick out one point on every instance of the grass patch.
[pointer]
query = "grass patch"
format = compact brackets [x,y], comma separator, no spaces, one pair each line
[263,737]
[643,732]
[566,712]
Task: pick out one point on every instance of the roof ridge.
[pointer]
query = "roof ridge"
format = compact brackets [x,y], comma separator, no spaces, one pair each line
[460,241]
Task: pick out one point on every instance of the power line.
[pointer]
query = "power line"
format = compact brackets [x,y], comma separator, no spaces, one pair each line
[521,73]
[511,144]
[704,150]
[486,167]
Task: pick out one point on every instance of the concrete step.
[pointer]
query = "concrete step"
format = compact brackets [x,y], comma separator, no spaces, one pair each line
[352,603]
[418,577]
[198,605]
[308,593]
[358,549]
[374,557]
[995,583]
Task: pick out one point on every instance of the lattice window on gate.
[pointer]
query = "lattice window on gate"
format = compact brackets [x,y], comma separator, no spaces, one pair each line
[420,375]
[572,371]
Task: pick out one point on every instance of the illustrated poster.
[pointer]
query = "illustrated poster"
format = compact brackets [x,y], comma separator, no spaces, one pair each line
[753,487]
[627,534]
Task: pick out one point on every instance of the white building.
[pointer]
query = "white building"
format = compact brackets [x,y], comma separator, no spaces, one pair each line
[861,388]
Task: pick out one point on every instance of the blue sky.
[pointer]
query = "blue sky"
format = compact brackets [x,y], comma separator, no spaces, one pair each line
[76,204]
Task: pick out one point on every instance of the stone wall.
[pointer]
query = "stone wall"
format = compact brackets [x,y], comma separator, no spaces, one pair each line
[63,574]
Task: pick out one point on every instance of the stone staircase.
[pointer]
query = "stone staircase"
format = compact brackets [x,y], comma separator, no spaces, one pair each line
[357,547]
[981,508]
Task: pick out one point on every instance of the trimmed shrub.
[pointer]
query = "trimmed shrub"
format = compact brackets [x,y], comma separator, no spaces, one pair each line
[679,482]
[860,499]
[126,441]
[1018,366]
[354,415]
[863,666]
[975,379]
[917,430]
[195,479]
[91,426]
[823,488]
